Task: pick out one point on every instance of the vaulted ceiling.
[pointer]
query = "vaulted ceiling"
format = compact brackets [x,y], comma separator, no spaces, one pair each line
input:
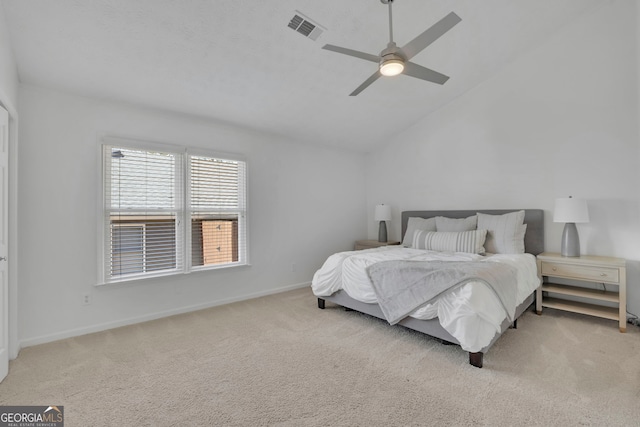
[237,61]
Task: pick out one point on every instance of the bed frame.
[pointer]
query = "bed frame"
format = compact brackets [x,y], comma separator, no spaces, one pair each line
[533,243]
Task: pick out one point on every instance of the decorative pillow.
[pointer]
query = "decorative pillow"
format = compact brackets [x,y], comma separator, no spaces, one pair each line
[505,233]
[415,223]
[456,224]
[455,241]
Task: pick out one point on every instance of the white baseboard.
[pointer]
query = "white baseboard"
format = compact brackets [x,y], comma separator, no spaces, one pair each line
[153,316]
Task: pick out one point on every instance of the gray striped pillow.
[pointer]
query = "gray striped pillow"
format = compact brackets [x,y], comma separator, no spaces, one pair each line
[451,241]
[415,223]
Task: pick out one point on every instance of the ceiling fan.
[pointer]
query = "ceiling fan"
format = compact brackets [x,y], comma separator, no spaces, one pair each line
[394,60]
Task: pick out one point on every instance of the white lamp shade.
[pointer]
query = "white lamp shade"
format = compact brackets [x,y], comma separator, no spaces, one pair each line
[382,213]
[568,209]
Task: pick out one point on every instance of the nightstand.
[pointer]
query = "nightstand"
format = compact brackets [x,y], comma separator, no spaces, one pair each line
[368,244]
[592,269]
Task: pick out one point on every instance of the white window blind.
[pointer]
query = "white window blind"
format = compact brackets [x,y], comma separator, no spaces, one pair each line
[156,202]
[217,211]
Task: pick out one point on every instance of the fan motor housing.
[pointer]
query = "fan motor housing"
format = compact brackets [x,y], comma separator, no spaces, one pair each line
[392,52]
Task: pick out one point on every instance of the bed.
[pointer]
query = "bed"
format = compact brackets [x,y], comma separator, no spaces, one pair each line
[470,314]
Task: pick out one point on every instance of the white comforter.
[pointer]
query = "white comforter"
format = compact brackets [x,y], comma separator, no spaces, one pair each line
[471,313]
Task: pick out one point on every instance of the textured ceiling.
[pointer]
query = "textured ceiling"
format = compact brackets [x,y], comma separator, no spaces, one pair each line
[238,62]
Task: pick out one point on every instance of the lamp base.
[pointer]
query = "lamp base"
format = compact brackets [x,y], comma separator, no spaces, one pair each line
[382,232]
[570,241]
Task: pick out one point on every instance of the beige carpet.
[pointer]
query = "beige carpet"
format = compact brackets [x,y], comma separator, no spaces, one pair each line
[279,360]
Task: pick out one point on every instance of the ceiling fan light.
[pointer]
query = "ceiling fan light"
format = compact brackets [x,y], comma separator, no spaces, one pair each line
[391,67]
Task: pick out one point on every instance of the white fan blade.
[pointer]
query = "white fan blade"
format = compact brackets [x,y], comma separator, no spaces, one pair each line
[351,52]
[430,35]
[420,72]
[366,83]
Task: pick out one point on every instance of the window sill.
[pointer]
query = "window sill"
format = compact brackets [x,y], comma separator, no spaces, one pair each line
[173,274]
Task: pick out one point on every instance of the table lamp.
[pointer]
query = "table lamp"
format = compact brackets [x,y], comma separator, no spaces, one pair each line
[570,211]
[382,214]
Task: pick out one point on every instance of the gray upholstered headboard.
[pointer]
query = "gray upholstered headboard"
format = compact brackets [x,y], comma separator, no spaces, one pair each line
[534,218]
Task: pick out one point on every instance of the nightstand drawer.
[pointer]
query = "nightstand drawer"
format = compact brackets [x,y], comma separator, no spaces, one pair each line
[580,272]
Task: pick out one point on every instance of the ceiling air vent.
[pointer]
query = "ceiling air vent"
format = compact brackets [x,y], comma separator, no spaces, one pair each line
[305,26]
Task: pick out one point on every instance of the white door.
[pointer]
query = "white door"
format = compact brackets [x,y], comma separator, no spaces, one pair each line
[4,229]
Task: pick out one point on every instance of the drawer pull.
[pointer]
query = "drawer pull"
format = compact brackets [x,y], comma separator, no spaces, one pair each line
[603,275]
[554,269]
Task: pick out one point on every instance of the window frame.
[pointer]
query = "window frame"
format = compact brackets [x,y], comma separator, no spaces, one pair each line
[184,210]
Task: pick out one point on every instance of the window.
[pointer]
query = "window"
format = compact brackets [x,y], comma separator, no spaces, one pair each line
[167,211]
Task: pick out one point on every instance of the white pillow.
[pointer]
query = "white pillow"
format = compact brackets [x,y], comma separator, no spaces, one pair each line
[505,233]
[454,241]
[415,223]
[456,224]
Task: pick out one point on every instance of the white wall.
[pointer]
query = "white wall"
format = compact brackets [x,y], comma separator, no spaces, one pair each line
[8,70]
[561,120]
[305,203]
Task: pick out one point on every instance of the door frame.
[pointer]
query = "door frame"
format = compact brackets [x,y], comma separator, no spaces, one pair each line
[12,259]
